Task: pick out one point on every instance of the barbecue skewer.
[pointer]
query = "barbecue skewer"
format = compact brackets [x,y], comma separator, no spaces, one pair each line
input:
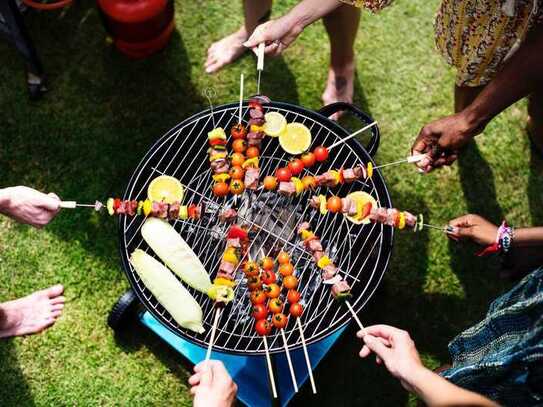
[240,97]
[306,354]
[213,331]
[356,318]
[73,204]
[270,368]
[410,159]
[259,65]
[350,136]
[289,360]
[446,229]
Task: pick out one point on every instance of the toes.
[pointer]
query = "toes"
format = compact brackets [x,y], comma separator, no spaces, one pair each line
[214,67]
[58,300]
[55,314]
[54,291]
[57,307]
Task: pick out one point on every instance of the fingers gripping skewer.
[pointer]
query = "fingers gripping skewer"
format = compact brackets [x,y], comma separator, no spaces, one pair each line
[356,318]
[290,366]
[259,64]
[307,361]
[213,331]
[356,133]
[270,368]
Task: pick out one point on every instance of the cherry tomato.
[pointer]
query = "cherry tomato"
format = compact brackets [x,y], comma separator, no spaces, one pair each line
[254,283]
[267,263]
[236,172]
[272,290]
[296,310]
[220,189]
[237,187]
[309,182]
[260,311]
[290,282]
[251,269]
[258,297]
[286,269]
[321,153]
[334,204]
[238,131]
[293,296]
[263,327]
[239,145]
[237,159]
[308,159]
[283,257]
[252,152]
[279,321]
[296,166]
[270,183]
[275,305]
[269,277]
[283,175]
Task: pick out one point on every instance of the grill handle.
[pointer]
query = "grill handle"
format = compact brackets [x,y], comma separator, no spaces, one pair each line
[332,108]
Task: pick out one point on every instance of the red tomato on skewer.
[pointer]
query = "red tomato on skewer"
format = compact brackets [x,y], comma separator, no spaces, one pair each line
[321,153]
[293,296]
[290,282]
[296,166]
[258,297]
[263,327]
[296,310]
[268,277]
[260,312]
[280,321]
[276,306]
[283,175]
[308,159]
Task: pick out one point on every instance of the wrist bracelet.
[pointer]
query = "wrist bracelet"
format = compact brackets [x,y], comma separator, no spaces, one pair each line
[504,239]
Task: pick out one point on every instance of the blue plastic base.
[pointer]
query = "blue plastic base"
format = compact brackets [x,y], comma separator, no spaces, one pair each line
[247,371]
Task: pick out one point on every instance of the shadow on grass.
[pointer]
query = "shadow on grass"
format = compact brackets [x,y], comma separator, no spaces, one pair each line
[14,391]
[279,82]
[535,186]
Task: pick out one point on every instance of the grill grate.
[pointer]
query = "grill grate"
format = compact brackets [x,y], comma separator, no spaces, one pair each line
[360,251]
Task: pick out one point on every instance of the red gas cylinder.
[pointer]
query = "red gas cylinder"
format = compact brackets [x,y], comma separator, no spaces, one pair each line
[139,27]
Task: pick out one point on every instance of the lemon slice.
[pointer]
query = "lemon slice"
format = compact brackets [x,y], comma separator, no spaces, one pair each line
[361,198]
[275,124]
[165,188]
[295,139]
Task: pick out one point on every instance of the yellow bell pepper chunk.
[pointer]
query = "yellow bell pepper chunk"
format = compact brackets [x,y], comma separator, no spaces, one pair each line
[230,257]
[216,134]
[221,177]
[183,212]
[323,208]
[147,206]
[298,185]
[256,129]
[251,162]
[224,281]
[324,261]
[401,223]
[370,169]
[359,209]
[217,156]
[306,234]
[335,174]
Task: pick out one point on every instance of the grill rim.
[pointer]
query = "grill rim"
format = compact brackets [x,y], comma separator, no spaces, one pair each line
[387,234]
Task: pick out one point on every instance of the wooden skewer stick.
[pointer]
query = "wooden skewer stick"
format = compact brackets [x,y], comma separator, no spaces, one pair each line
[356,318]
[73,204]
[410,159]
[270,368]
[259,65]
[240,97]
[307,361]
[290,367]
[213,331]
[343,140]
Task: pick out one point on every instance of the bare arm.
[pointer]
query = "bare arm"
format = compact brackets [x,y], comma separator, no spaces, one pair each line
[442,139]
[397,351]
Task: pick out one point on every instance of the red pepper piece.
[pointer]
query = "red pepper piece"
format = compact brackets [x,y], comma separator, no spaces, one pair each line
[236,232]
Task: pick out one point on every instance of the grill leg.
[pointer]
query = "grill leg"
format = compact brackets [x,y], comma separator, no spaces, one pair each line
[15,30]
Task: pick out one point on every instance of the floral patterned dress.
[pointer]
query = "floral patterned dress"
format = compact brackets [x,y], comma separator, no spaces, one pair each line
[477,36]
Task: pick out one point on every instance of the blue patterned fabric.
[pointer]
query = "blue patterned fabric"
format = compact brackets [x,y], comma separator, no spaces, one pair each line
[502,356]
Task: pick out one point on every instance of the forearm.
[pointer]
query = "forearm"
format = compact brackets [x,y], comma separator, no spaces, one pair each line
[519,77]
[308,11]
[526,237]
[436,391]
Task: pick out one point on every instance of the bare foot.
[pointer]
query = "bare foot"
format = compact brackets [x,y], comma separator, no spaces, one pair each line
[340,86]
[31,314]
[226,51]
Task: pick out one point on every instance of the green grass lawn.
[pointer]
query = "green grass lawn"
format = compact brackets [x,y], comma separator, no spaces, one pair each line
[84,139]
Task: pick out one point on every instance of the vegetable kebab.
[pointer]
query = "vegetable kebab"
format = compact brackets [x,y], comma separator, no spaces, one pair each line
[218,161]
[289,184]
[341,290]
[155,209]
[254,142]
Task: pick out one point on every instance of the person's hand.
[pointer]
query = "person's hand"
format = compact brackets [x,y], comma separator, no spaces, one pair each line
[475,228]
[395,349]
[212,385]
[276,34]
[442,140]
[26,205]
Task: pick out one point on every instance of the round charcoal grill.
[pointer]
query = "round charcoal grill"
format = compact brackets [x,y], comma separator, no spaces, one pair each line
[361,252]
